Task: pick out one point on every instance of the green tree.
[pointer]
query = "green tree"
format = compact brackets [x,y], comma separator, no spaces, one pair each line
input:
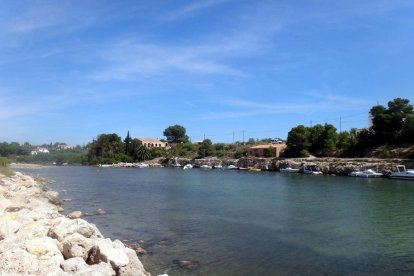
[316,139]
[391,125]
[128,145]
[142,153]
[298,142]
[329,139]
[107,148]
[176,134]
[205,149]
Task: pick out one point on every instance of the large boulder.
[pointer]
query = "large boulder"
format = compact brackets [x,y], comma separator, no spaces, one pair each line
[101,269]
[62,227]
[76,245]
[73,265]
[134,266]
[112,252]
[8,227]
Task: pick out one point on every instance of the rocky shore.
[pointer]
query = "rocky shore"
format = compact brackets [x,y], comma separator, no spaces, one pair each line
[338,166]
[37,239]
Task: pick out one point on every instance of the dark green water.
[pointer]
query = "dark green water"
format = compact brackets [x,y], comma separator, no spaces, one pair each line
[241,223]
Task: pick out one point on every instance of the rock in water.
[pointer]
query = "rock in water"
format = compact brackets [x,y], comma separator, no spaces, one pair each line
[75,215]
[187,264]
[137,248]
[100,211]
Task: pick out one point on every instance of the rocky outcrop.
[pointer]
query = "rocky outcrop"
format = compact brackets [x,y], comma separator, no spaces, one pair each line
[36,240]
[338,166]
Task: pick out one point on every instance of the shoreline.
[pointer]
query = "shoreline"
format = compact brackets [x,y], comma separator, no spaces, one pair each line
[37,239]
[326,165]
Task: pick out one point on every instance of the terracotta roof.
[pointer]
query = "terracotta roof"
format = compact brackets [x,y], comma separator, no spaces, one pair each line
[269,146]
[149,140]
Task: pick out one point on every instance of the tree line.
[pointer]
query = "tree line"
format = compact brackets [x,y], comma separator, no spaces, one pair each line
[392,126]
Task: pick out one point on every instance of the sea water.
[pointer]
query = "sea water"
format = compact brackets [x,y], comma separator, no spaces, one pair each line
[248,223]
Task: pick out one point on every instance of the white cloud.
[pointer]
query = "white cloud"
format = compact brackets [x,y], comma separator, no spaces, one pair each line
[191,9]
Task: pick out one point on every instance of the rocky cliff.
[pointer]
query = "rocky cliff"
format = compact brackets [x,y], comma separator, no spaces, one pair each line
[35,239]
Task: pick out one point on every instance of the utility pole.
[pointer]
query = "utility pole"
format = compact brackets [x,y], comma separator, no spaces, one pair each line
[340,124]
[233,137]
[243,137]
[311,123]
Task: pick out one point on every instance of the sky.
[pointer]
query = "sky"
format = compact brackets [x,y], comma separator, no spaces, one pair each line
[223,69]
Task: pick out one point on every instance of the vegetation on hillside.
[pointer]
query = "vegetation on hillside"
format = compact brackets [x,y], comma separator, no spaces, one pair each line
[392,126]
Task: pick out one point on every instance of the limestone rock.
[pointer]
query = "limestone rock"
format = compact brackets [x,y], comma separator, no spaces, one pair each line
[100,211]
[76,245]
[42,247]
[134,266]
[101,269]
[18,261]
[112,252]
[8,227]
[75,215]
[62,227]
[74,265]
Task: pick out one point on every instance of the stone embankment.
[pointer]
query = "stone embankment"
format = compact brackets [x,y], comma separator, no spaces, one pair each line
[36,239]
[338,166]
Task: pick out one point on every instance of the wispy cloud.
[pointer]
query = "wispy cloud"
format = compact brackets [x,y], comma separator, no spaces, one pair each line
[128,60]
[191,9]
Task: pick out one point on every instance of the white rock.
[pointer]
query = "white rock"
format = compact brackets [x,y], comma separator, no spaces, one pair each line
[73,265]
[75,215]
[76,245]
[112,252]
[62,227]
[134,266]
[101,269]
[8,227]
[18,262]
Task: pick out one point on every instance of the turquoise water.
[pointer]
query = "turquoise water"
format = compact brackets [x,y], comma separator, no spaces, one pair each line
[243,223]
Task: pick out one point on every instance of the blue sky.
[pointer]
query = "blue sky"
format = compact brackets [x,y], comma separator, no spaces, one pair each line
[70,70]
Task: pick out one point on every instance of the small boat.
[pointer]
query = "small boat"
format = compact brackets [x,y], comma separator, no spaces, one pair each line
[104,165]
[188,167]
[254,170]
[366,173]
[142,165]
[206,167]
[231,167]
[310,170]
[403,173]
[218,167]
[243,169]
[289,170]
[176,165]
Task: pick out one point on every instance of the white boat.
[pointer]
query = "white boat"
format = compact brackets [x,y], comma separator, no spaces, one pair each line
[104,165]
[188,167]
[289,170]
[207,167]
[218,166]
[366,173]
[403,173]
[309,170]
[176,165]
[142,165]
[230,167]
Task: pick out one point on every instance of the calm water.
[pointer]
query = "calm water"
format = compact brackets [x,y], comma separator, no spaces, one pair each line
[242,223]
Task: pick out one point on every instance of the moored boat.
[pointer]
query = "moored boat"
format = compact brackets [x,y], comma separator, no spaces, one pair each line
[188,167]
[206,167]
[403,173]
[289,170]
[230,167]
[366,173]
